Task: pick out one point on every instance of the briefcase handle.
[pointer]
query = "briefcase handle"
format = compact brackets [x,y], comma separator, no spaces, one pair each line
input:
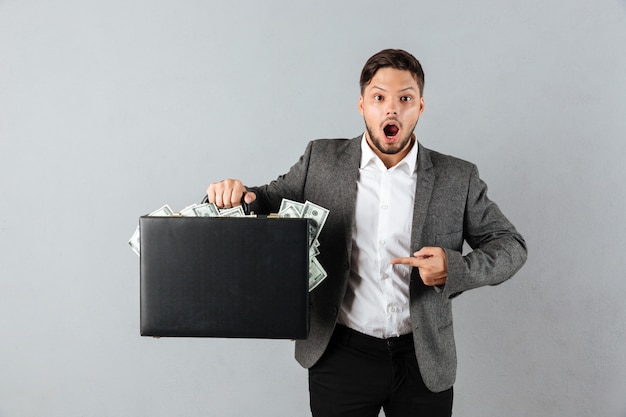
[245,206]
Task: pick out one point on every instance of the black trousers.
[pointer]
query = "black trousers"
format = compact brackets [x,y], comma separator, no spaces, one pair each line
[358,374]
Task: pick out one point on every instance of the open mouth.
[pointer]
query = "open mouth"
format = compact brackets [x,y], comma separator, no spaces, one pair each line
[391,130]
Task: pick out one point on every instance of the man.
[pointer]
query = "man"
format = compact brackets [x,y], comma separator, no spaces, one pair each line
[381,323]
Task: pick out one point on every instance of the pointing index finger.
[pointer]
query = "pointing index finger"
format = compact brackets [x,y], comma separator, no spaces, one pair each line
[411,261]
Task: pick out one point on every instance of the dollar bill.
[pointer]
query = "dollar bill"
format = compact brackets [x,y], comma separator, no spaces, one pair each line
[135,239]
[289,212]
[292,206]
[317,213]
[317,274]
[189,211]
[206,210]
[313,231]
[233,212]
[135,242]
[163,211]
[314,249]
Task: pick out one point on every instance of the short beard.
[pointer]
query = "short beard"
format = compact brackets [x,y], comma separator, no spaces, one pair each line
[380,144]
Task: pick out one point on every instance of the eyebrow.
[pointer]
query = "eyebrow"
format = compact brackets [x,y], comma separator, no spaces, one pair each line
[400,91]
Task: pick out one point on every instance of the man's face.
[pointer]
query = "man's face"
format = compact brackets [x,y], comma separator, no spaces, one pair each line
[391,105]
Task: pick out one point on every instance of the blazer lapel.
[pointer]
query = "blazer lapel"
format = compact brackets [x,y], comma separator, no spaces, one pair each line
[423,192]
[347,177]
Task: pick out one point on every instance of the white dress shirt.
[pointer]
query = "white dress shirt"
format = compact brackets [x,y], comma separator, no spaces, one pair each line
[377,298]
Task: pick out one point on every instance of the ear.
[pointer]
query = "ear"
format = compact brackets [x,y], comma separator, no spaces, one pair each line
[421,105]
[361,105]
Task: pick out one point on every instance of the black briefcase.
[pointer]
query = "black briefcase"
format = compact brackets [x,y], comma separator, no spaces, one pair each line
[224,277]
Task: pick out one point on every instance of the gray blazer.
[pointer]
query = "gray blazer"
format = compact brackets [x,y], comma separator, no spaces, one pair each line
[451,206]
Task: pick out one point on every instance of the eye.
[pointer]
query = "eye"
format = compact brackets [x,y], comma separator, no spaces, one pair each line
[378,97]
[406,98]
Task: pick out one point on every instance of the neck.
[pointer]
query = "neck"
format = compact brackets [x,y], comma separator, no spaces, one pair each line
[392,159]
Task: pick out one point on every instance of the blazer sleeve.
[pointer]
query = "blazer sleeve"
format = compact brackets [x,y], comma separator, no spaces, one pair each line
[289,185]
[498,250]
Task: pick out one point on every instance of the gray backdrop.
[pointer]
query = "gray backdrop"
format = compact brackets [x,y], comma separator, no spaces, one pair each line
[109,109]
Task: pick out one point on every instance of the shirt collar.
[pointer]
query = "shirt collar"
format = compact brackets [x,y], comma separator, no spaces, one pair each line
[369,157]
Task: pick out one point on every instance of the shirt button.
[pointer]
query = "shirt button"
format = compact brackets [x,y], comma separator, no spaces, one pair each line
[384,207]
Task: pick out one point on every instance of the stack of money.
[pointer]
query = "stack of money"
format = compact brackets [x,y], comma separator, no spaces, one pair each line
[211,210]
[319,214]
[288,208]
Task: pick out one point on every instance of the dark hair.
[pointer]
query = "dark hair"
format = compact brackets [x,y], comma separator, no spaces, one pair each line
[394,58]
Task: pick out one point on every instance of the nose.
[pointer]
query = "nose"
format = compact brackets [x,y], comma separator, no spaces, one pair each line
[392,107]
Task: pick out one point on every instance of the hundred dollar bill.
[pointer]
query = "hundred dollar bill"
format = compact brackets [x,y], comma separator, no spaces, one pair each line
[189,211]
[163,211]
[135,242]
[206,210]
[292,206]
[232,212]
[317,274]
[289,212]
[317,213]
[314,249]
[135,239]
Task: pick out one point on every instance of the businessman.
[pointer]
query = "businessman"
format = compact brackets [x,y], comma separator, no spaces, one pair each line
[381,333]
